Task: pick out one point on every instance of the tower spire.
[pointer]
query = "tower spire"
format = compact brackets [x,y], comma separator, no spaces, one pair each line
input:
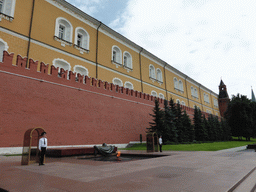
[253,96]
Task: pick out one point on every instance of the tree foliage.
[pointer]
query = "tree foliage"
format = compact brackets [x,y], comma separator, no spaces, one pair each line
[157,124]
[200,132]
[169,123]
[240,115]
[176,127]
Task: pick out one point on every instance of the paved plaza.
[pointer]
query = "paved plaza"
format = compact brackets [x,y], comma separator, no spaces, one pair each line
[178,172]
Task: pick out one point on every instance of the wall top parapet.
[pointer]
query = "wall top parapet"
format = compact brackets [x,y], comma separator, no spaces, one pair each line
[40,71]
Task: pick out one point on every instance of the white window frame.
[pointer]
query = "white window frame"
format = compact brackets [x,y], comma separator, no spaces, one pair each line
[215,102]
[177,101]
[181,85]
[208,111]
[3,48]
[196,93]
[118,58]
[85,39]
[152,72]
[159,75]
[183,103]
[76,70]
[8,8]
[68,34]
[128,60]
[2,5]
[206,98]
[154,93]
[62,31]
[161,95]
[176,84]
[192,91]
[56,64]
[117,79]
[127,84]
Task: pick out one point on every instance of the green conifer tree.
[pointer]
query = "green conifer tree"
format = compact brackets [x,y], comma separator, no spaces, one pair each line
[226,130]
[179,125]
[211,129]
[189,134]
[219,131]
[200,132]
[170,129]
[157,124]
[207,128]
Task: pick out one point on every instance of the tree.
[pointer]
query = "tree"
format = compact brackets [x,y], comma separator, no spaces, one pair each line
[170,133]
[189,134]
[226,130]
[172,106]
[253,108]
[239,116]
[200,132]
[208,129]
[211,129]
[219,131]
[157,124]
[178,124]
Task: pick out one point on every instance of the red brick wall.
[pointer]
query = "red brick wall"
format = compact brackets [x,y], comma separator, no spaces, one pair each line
[72,113]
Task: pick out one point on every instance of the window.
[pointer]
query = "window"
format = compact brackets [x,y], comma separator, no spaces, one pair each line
[159,75]
[161,96]
[116,55]
[206,98]
[127,60]
[81,38]
[183,103]
[61,63]
[152,71]
[1,5]
[176,86]
[177,101]
[81,70]
[63,30]
[215,102]
[7,7]
[153,93]
[208,111]
[216,114]
[195,92]
[117,81]
[192,91]
[180,85]
[128,85]
[3,47]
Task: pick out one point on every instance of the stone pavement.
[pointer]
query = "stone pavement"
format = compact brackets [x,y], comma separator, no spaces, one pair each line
[179,172]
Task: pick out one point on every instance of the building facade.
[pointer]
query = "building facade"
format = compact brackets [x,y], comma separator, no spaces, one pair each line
[59,34]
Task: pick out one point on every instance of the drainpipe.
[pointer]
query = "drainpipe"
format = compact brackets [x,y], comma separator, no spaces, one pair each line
[186,88]
[165,82]
[200,96]
[30,29]
[97,45]
[140,69]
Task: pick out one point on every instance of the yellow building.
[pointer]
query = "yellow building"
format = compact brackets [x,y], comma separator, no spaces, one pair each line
[59,34]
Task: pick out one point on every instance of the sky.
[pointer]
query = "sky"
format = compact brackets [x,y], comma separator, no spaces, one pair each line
[208,40]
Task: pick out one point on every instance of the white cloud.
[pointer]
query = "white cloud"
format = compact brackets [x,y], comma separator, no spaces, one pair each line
[204,39]
[90,7]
